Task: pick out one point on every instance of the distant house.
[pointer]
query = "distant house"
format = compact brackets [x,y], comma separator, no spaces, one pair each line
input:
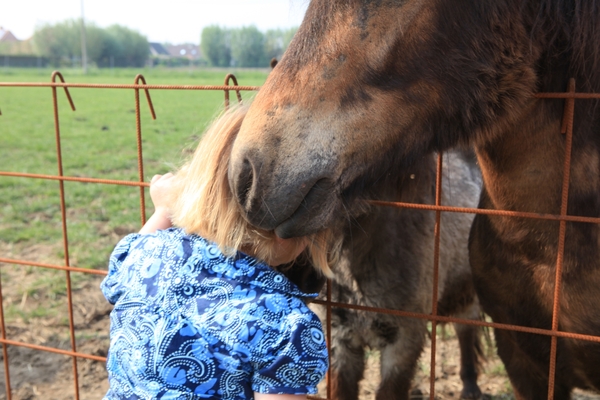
[157,49]
[7,36]
[188,50]
[175,55]
[18,53]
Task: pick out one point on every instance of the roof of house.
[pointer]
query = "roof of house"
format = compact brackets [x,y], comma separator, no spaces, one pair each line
[7,36]
[158,49]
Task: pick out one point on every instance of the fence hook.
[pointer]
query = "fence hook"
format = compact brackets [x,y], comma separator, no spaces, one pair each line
[237,92]
[137,80]
[54,75]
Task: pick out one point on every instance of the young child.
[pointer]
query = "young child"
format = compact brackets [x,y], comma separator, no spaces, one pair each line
[199,312]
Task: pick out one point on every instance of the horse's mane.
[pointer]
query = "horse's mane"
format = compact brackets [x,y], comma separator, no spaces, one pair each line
[575,23]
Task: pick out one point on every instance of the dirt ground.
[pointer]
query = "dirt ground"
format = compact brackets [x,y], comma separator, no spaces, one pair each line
[492,379]
[35,311]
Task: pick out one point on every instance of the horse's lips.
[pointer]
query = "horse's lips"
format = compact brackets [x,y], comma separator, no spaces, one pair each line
[293,227]
[312,214]
[288,229]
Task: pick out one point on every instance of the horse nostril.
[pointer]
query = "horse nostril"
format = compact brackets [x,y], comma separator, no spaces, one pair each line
[244,182]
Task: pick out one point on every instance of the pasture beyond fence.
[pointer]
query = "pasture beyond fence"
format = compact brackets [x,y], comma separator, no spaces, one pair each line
[71,269]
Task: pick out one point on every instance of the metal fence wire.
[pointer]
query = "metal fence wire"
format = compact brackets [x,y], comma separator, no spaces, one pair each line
[140,84]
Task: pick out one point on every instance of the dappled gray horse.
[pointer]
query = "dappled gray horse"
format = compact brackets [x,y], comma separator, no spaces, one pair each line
[387,262]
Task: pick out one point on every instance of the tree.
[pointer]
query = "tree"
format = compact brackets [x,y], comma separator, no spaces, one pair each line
[116,45]
[96,42]
[277,41]
[243,47]
[273,44]
[215,45]
[127,47]
[248,47]
[58,41]
[287,36]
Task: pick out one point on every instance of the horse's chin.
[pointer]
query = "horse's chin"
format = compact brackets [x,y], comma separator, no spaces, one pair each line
[291,228]
[309,218]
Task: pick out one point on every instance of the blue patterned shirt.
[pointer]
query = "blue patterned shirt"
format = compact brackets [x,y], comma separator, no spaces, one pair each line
[190,323]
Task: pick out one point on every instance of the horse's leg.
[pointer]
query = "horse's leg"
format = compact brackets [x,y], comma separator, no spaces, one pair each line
[399,360]
[509,295]
[468,340]
[470,346]
[528,378]
[347,367]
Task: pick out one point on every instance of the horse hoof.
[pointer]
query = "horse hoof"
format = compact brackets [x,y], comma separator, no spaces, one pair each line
[471,392]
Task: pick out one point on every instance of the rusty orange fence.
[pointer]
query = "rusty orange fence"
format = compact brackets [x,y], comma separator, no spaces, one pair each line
[140,84]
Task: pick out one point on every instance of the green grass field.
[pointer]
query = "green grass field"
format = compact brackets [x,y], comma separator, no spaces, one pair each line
[98,140]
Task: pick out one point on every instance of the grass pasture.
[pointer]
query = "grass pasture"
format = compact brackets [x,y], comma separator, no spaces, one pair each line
[98,140]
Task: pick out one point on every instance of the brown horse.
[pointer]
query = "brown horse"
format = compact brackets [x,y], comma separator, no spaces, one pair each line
[367,87]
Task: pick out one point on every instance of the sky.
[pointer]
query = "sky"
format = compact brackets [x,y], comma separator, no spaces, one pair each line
[172,21]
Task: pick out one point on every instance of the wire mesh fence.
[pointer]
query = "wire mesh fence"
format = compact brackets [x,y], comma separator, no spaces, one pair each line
[69,268]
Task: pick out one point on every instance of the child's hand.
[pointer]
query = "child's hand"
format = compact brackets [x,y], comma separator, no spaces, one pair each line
[161,187]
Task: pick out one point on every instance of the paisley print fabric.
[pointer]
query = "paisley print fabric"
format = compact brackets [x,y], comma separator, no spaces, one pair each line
[190,323]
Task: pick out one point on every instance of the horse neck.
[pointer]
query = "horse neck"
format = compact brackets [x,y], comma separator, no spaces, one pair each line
[412,183]
[523,167]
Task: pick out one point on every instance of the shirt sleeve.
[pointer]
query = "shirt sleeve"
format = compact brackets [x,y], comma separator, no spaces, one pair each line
[297,363]
[113,285]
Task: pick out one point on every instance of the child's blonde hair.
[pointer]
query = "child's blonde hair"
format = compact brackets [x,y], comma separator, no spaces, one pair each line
[205,205]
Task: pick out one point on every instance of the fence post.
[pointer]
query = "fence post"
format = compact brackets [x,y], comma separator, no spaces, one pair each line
[63,210]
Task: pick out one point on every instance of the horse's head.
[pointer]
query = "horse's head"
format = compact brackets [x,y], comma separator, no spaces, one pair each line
[368,86]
